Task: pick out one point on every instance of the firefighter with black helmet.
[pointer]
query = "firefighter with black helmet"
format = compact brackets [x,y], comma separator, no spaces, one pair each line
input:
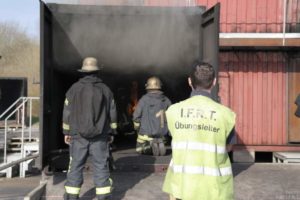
[149,119]
[89,117]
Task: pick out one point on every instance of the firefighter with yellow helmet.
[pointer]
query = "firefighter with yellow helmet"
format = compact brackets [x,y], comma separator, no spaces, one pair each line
[200,168]
[149,119]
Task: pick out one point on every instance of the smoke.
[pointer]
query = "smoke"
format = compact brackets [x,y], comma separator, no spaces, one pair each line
[126,39]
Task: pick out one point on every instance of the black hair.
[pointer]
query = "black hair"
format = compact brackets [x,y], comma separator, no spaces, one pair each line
[202,75]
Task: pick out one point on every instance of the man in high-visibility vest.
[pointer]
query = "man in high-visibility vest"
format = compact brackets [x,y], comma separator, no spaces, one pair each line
[200,168]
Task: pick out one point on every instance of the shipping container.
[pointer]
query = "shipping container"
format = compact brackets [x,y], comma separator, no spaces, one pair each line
[132,43]
[236,16]
[261,87]
[257,16]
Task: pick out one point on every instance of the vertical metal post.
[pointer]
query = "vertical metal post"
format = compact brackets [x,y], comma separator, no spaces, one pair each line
[18,116]
[188,3]
[5,142]
[30,118]
[22,175]
[284,22]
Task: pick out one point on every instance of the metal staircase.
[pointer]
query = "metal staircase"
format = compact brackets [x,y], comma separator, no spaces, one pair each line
[16,137]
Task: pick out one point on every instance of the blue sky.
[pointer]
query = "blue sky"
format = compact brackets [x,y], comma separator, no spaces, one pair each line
[23,12]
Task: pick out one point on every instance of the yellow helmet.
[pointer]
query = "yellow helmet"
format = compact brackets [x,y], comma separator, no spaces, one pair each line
[89,65]
[153,83]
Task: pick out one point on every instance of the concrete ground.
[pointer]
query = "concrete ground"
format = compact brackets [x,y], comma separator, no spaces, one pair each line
[17,188]
[252,182]
[267,181]
[141,177]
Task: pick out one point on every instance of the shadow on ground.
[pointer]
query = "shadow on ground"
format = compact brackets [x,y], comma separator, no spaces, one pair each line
[131,170]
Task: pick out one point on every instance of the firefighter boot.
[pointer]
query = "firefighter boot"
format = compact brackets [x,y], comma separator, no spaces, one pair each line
[104,197]
[155,147]
[70,196]
[161,147]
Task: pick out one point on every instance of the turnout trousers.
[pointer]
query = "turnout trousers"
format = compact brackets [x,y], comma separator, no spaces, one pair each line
[80,149]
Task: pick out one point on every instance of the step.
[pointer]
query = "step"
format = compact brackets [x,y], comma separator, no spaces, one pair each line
[11,145]
[286,157]
[28,147]
[19,139]
[14,149]
[25,142]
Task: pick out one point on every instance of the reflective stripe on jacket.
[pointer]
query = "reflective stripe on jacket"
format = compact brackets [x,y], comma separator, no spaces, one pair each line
[200,166]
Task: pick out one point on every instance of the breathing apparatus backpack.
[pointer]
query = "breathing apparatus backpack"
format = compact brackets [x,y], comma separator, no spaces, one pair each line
[86,110]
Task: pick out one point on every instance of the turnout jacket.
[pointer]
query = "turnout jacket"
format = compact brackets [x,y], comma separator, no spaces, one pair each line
[149,114]
[89,107]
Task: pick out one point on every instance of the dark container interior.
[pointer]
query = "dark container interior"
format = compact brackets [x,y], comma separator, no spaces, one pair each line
[130,42]
[10,90]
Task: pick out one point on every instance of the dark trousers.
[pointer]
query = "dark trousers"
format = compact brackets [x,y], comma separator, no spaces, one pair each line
[98,149]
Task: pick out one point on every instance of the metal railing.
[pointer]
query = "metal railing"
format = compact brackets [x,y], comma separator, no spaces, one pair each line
[13,163]
[10,112]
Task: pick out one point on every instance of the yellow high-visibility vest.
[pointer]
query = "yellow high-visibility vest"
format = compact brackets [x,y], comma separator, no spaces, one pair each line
[200,168]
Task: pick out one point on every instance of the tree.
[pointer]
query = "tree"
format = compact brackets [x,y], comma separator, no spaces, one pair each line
[20,56]
[16,47]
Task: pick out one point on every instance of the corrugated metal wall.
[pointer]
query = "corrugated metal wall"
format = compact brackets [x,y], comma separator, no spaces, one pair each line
[256,16]
[294,91]
[253,84]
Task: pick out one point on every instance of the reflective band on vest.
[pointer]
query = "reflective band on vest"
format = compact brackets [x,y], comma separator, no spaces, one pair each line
[199,146]
[72,190]
[225,171]
[103,190]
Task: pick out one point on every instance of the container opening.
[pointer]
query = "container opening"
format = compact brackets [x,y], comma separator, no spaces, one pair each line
[127,90]
[132,42]
[10,90]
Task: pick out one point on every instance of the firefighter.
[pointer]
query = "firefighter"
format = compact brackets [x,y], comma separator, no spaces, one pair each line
[89,116]
[149,119]
[200,168]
